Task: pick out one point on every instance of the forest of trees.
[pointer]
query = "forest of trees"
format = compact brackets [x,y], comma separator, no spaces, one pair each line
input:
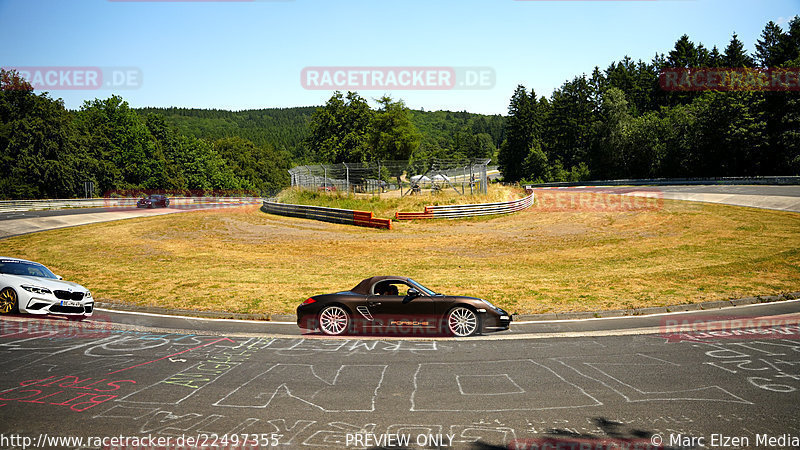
[281,128]
[442,134]
[50,152]
[619,122]
[346,129]
[614,123]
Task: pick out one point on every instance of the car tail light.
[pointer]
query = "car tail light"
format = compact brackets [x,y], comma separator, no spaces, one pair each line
[308,302]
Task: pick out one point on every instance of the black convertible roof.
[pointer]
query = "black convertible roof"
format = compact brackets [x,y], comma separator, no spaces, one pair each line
[363,288]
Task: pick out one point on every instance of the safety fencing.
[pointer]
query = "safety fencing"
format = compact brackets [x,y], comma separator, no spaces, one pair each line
[410,177]
[334,215]
[459,211]
[127,202]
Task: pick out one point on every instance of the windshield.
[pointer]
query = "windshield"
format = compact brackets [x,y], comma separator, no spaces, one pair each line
[421,288]
[28,269]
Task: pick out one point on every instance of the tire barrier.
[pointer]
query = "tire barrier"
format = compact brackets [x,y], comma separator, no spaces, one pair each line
[334,215]
[459,211]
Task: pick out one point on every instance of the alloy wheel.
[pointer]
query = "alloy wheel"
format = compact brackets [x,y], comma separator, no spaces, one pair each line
[8,301]
[462,321]
[334,320]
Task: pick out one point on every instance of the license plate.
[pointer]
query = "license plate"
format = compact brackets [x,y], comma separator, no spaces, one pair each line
[70,303]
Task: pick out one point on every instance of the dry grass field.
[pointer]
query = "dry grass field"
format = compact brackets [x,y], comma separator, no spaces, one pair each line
[243,260]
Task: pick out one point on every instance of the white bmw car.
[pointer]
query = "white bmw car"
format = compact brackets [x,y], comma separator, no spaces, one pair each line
[29,287]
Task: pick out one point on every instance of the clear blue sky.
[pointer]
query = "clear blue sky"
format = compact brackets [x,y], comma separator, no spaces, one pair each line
[246,55]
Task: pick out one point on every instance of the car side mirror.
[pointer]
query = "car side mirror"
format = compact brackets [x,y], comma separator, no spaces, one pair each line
[411,295]
[59,277]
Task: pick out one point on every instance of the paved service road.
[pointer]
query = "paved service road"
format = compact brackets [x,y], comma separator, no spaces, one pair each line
[770,190]
[784,198]
[302,391]
[23,222]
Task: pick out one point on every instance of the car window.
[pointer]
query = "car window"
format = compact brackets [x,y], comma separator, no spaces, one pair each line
[422,289]
[391,287]
[28,269]
[35,271]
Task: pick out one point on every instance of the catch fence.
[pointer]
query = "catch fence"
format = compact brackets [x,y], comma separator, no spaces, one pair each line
[465,176]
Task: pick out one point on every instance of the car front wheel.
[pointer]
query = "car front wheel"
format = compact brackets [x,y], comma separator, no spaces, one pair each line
[334,320]
[8,301]
[462,322]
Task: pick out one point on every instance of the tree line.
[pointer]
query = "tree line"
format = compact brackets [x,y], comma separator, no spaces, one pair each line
[51,152]
[620,123]
[298,131]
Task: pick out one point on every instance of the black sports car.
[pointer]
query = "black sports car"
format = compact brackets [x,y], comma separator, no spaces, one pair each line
[153,201]
[399,304]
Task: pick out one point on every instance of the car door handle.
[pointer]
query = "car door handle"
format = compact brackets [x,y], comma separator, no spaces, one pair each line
[373,303]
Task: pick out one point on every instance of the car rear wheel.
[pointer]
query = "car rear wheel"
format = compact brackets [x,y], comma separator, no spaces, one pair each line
[462,322]
[8,301]
[334,320]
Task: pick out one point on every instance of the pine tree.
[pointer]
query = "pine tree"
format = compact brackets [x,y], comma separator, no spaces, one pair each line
[770,50]
[522,131]
[792,41]
[735,54]
[684,54]
[714,58]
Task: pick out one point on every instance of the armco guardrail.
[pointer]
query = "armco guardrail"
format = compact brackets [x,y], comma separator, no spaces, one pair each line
[457,211]
[334,215]
[121,202]
[785,180]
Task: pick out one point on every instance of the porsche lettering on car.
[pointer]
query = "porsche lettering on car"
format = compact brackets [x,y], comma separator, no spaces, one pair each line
[30,287]
[392,303]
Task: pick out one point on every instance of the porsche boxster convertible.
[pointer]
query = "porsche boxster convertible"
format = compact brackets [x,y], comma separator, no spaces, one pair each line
[392,304]
[29,287]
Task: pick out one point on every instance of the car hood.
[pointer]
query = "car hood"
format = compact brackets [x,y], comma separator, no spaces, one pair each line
[45,282]
[476,299]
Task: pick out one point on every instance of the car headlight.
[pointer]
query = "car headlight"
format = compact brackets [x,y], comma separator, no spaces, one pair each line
[500,310]
[36,289]
[88,294]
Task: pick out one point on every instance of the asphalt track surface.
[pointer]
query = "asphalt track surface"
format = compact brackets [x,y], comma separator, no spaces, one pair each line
[763,190]
[580,384]
[592,381]
[782,198]
[53,213]
[23,222]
